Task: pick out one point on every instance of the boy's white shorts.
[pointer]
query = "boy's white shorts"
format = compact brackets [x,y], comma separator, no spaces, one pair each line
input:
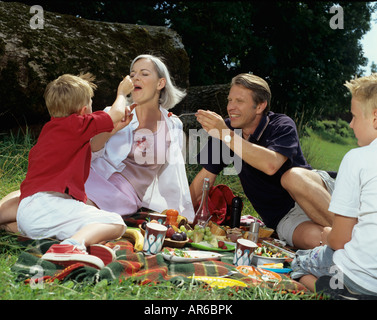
[58,215]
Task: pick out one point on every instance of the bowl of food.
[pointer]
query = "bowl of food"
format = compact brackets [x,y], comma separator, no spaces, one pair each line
[267,254]
[168,242]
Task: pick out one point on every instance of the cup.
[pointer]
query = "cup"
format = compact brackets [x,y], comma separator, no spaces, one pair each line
[160,218]
[254,232]
[244,252]
[154,238]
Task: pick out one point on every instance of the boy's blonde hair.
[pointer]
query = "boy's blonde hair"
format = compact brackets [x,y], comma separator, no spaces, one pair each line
[364,90]
[67,94]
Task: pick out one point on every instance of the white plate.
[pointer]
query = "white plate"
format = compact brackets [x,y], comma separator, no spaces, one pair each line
[194,255]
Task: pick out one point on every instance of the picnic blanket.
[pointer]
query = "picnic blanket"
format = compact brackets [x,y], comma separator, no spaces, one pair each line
[129,264]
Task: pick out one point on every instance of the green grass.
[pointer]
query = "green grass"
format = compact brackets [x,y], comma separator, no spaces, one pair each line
[321,153]
[324,154]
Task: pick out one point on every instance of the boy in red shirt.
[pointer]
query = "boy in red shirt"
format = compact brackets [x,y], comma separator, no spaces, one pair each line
[52,201]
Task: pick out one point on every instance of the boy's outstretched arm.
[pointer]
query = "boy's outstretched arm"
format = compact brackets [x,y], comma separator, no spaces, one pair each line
[119,112]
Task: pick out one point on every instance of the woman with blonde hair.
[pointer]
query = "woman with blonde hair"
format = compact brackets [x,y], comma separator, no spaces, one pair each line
[142,165]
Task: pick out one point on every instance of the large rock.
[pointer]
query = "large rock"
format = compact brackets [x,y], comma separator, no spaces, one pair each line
[30,58]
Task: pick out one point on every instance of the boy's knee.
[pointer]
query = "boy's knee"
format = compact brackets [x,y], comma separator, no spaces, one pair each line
[121,229]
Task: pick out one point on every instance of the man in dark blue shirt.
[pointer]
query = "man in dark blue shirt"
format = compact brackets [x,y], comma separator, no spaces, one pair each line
[264,146]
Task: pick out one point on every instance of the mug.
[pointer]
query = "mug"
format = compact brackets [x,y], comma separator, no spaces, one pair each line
[154,238]
[244,252]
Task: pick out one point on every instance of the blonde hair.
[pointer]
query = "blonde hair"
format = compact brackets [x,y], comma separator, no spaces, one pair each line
[67,94]
[260,90]
[170,95]
[364,90]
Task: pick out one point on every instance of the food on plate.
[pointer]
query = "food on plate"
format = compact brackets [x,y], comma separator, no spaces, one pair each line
[190,254]
[176,234]
[179,236]
[135,237]
[217,230]
[205,237]
[272,265]
[233,234]
[269,252]
[175,237]
[176,252]
[258,273]
[275,243]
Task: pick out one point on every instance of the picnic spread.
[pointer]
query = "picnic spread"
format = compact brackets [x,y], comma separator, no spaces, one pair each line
[179,262]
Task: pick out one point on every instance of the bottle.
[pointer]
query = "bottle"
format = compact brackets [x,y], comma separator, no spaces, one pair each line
[236,212]
[203,215]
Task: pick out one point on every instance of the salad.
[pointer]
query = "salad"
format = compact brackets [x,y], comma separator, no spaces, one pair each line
[269,252]
[177,252]
[190,254]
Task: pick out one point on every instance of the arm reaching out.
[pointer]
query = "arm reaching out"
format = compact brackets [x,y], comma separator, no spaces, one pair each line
[119,110]
[261,158]
[120,113]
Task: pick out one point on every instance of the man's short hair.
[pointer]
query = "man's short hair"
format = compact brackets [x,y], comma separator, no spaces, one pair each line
[260,90]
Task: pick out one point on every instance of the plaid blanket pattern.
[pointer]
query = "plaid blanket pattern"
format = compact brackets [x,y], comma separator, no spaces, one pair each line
[129,264]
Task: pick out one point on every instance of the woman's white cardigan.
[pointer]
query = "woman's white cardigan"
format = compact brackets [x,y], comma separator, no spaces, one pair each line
[170,189]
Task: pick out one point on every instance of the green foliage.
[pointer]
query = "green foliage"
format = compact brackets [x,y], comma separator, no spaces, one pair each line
[337,131]
[325,143]
[14,151]
[289,43]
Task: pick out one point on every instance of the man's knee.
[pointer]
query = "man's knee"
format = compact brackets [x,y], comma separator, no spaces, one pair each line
[289,178]
[295,179]
[307,235]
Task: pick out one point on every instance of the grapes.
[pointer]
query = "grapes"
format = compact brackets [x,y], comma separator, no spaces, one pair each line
[201,234]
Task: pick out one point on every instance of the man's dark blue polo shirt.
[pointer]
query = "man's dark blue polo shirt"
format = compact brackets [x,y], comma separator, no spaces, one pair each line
[276,132]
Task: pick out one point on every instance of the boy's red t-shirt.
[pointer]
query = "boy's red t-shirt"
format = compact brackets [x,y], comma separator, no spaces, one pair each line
[60,160]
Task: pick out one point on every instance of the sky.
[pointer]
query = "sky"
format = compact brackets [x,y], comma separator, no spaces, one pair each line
[369,43]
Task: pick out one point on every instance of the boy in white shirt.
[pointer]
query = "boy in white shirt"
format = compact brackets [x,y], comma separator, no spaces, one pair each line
[348,254]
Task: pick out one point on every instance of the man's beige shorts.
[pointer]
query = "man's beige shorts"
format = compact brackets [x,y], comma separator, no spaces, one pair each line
[296,215]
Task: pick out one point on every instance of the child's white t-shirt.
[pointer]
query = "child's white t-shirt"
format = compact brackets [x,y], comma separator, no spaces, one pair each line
[355,195]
